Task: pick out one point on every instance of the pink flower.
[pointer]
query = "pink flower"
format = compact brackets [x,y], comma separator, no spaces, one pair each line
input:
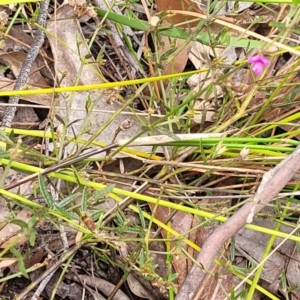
[258,63]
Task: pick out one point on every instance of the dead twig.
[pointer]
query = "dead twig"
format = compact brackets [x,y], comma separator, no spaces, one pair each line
[37,43]
[272,183]
[62,164]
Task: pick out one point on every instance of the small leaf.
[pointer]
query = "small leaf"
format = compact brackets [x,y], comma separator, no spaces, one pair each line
[32,221]
[101,194]
[88,104]
[168,53]
[95,215]
[172,277]
[100,219]
[4,154]
[21,264]
[141,258]
[47,197]
[277,25]
[120,216]
[35,15]
[142,218]
[84,200]
[32,237]
[66,214]
[168,133]
[60,119]
[221,36]
[283,281]
[68,200]
[100,54]
[20,223]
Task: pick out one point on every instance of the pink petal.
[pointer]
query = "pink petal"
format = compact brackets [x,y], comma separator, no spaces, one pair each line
[253,59]
[257,68]
[265,61]
[259,59]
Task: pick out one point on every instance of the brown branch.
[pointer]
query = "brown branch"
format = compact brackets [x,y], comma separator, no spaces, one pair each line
[272,183]
[26,67]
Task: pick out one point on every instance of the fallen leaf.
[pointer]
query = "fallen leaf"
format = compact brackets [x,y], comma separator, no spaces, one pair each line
[181,222]
[252,244]
[11,230]
[69,48]
[14,60]
[7,262]
[166,5]
[137,288]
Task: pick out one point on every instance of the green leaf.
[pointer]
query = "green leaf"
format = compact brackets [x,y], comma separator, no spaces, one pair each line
[296,30]
[168,53]
[168,133]
[221,36]
[277,25]
[21,264]
[142,218]
[32,221]
[99,215]
[172,277]
[20,223]
[84,200]
[95,215]
[44,192]
[202,37]
[283,280]
[141,260]
[240,295]
[68,200]
[5,138]
[35,15]
[88,104]
[101,194]
[133,23]
[66,214]
[32,237]
[120,216]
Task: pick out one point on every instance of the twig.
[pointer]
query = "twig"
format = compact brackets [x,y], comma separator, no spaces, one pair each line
[272,183]
[26,67]
[42,286]
[62,164]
